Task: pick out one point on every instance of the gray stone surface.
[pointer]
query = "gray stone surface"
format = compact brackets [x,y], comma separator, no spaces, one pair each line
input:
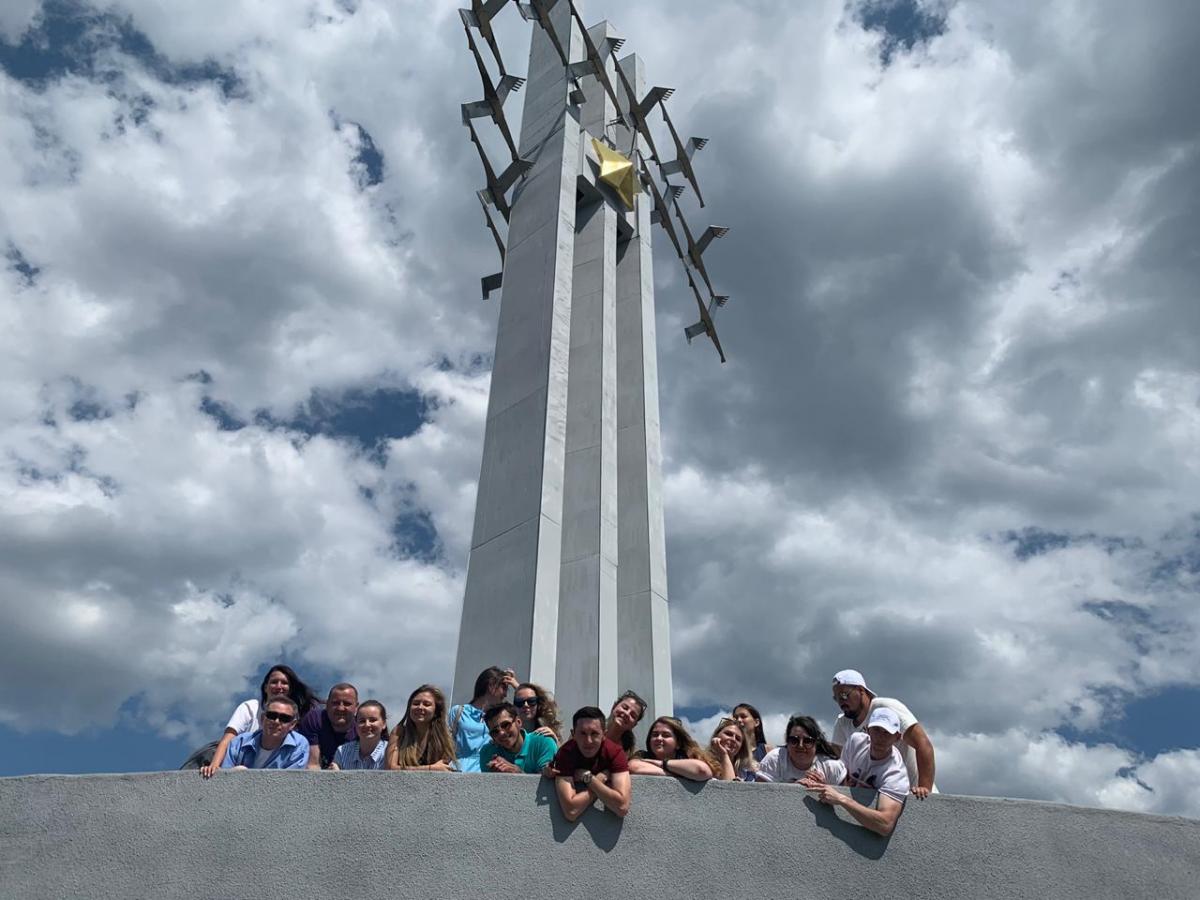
[365,835]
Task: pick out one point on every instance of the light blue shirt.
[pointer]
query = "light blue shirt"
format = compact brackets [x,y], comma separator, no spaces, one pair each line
[348,756]
[470,734]
[243,751]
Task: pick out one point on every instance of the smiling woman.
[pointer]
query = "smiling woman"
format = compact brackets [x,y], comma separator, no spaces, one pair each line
[368,750]
[670,750]
[422,742]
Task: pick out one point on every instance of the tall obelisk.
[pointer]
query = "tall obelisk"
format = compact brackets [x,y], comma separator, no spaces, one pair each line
[566,580]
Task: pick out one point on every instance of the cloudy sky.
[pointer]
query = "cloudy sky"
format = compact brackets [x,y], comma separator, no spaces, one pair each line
[244,370]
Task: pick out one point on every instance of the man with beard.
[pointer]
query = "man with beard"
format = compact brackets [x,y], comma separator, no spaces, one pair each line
[872,761]
[511,749]
[328,728]
[274,746]
[857,702]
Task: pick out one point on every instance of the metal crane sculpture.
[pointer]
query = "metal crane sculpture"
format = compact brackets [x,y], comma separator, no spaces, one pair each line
[632,114]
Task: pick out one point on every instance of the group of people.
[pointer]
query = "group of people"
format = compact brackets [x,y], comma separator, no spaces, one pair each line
[876,743]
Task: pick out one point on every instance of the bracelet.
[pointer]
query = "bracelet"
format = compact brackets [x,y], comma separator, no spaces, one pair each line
[666,771]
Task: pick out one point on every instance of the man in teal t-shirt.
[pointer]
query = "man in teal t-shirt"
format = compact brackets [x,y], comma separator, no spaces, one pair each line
[511,749]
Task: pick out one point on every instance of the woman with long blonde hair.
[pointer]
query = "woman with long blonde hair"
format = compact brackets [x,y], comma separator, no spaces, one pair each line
[422,742]
[539,712]
[732,750]
[670,750]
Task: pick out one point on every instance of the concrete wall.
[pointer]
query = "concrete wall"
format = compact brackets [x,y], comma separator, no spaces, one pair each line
[365,834]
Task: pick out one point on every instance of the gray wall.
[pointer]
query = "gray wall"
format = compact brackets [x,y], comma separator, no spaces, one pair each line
[365,834]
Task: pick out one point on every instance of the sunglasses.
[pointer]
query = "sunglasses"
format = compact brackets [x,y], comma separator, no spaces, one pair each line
[795,740]
[501,726]
[277,716]
[526,701]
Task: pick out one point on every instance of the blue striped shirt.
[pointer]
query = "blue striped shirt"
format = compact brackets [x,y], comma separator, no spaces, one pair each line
[347,756]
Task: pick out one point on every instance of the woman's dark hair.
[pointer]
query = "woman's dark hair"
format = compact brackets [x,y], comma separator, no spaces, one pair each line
[485,679]
[297,689]
[810,726]
[760,736]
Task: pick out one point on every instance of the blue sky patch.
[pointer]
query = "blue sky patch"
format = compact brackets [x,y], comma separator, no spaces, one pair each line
[19,264]
[1148,725]
[369,161]
[69,38]
[365,416]
[904,24]
[1033,541]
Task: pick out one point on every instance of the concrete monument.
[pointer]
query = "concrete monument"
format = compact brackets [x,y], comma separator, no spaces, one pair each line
[567,578]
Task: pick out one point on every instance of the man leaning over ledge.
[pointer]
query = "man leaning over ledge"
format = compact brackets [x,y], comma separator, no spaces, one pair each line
[590,767]
[872,761]
[857,702]
[275,746]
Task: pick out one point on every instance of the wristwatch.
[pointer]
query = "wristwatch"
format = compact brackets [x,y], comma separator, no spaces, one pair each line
[586,778]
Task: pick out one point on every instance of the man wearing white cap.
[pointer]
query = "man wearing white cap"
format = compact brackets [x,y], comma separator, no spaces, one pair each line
[857,702]
[871,761]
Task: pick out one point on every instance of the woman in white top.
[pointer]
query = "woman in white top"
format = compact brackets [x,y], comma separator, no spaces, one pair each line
[247,716]
[368,751]
[806,750]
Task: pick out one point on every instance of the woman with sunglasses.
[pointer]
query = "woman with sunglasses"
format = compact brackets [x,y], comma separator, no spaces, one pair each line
[732,751]
[539,712]
[367,751]
[422,742]
[751,721]
[806,750]
[670,750]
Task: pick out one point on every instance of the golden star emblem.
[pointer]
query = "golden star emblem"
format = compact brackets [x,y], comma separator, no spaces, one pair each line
[617,172]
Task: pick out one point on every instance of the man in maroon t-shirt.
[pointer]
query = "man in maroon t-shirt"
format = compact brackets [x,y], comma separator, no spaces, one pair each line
[590,767]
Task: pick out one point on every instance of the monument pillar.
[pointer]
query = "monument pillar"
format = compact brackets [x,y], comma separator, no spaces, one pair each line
[566,580]
[510,607]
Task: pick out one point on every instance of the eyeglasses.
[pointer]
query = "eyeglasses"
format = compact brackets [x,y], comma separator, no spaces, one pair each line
[843,695]
[794,740]
[277,716]
[526,701]
[501,726]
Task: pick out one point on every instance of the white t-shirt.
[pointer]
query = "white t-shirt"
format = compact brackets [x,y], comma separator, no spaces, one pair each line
[245,718]
[777,766]
[843,728]
[263,755]
[887,775]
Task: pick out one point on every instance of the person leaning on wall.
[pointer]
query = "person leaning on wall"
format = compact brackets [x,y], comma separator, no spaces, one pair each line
[422,742]
[590,767]
[275,746]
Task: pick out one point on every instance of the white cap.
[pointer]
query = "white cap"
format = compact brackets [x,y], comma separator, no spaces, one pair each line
[886,719]
[852,678]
